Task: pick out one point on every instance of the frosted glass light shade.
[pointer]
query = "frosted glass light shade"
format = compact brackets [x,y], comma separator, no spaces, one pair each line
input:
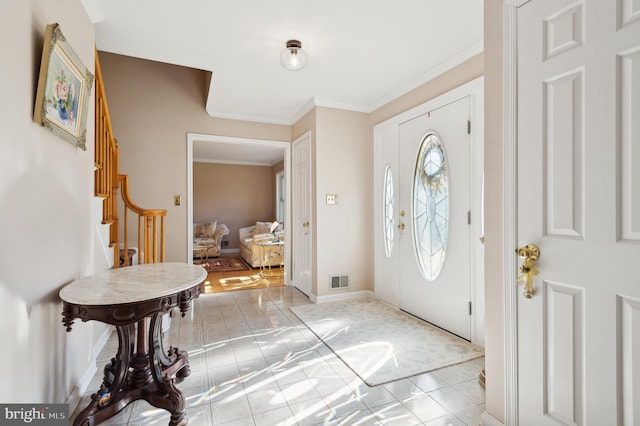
[293,57]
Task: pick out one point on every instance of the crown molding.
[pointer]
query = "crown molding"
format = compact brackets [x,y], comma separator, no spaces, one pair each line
[434,72]
[252,118]
[311,104]
[339,105]
[235,163]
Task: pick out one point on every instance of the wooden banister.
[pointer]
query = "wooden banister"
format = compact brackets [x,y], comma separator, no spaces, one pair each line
[150,238]
[108,180]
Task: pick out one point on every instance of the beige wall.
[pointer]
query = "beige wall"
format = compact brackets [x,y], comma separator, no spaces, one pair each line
[232,194]
[343,166]
[493,167]
[342,155]
[46,211]
[153,106]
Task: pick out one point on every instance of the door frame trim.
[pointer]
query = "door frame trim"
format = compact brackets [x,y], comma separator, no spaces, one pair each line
[308,135]
[472,89]
[510,211]
[286,146]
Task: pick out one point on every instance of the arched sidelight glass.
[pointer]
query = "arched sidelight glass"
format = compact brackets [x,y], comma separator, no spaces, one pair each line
[431,206]
[389,205]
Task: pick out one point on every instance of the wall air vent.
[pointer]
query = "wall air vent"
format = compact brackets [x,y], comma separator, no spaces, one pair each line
[339,281]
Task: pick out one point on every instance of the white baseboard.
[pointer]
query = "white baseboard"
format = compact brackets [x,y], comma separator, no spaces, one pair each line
[230,251]
[341,296]
[488,420]
[102,340]
[76,395]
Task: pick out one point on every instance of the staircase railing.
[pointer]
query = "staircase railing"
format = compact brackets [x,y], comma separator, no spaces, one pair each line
[108,180]
[150,227]
[106,153]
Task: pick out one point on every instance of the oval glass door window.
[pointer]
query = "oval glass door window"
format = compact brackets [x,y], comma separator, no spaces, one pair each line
[431,206]
[389,223]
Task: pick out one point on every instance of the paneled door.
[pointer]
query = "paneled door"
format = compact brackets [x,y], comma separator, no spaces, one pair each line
[434,217]
[301,202]
[578,202]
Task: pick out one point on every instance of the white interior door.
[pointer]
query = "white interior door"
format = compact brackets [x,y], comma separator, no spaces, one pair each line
[301,202]
[435,280]
[578,187]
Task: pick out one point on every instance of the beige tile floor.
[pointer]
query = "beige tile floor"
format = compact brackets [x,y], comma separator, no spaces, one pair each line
[254,363]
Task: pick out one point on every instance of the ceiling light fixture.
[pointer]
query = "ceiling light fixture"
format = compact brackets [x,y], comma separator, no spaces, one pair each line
[293,57]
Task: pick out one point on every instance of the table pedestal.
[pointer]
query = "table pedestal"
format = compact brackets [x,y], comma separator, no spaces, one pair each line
[142,368]
[148,373]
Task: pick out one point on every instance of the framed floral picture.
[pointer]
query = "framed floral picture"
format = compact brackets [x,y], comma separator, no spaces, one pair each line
[64,89]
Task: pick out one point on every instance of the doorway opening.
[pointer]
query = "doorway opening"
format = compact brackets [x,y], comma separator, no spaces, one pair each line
[241,152]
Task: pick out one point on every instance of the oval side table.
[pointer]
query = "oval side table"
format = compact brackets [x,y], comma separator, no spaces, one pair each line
[134,299]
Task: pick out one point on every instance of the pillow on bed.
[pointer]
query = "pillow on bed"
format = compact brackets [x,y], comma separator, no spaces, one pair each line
[262,227]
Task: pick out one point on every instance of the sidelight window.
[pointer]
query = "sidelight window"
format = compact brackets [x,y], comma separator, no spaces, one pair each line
[388,211]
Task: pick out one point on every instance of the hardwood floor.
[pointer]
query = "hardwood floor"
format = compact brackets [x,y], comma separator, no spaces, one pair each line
[218,282]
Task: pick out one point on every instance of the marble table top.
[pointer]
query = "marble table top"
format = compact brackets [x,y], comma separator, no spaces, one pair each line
[133,284]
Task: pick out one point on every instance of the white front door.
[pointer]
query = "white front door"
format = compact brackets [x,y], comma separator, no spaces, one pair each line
[301,202]
[435,279]
[578,201]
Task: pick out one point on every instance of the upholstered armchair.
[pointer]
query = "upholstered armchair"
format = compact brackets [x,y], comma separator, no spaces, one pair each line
[207,238]
[251,236]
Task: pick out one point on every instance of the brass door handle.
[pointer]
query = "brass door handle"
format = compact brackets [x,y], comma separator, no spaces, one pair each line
[530,254]
[305,225]
[401,226]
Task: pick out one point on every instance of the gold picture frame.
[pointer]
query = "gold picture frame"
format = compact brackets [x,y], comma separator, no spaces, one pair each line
[64,89]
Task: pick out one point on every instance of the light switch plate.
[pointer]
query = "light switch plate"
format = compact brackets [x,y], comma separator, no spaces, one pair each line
[332,199]
[177,200]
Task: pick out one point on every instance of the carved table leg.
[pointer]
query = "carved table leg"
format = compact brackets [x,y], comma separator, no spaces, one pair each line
[147,373]
[106,402]
[167,368]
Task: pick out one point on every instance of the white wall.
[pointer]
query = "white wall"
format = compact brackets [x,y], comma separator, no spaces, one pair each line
[46,210]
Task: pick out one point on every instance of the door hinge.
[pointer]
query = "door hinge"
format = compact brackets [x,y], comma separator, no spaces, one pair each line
[469,217]
[468,127]
[469,307]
